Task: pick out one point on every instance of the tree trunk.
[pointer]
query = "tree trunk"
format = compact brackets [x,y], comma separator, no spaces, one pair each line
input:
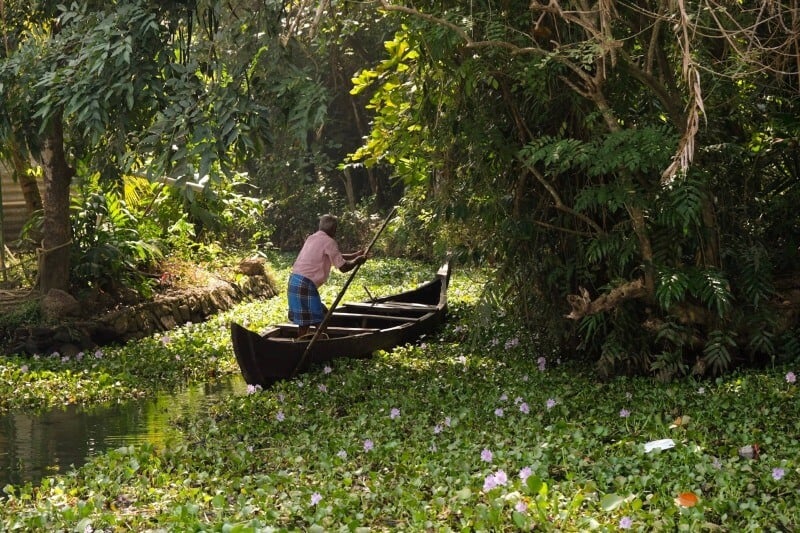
[349,190]
[30,189]
[57,239]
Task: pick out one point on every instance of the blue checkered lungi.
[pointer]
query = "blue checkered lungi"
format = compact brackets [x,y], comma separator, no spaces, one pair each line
[305,304]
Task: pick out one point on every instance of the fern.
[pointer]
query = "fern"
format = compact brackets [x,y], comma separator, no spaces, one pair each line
[668,365]
[789,342]
[761,342]
[590,327]
[671,287]
[713,290]
[716,353]
[755,276]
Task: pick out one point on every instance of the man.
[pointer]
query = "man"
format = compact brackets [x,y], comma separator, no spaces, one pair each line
[311,269]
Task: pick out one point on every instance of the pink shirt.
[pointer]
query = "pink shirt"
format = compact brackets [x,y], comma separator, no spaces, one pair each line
[314,261]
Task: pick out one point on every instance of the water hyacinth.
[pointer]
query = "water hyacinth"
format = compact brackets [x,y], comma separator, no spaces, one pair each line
[250,464]
[494,480]
[790,377]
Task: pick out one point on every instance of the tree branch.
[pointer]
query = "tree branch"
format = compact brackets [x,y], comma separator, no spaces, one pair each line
[582,304]
[559,204]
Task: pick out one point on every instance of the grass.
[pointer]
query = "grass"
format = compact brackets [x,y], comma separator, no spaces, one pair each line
[476,429]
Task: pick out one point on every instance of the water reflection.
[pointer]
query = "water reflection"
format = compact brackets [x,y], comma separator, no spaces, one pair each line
[35,446]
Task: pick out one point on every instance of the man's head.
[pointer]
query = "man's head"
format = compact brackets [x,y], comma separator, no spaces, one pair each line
[328,223]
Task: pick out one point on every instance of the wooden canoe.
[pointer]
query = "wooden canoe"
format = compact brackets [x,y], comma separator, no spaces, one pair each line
[354,330]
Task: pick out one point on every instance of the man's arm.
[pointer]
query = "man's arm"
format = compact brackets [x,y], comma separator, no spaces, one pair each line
[350,264]
[351,256]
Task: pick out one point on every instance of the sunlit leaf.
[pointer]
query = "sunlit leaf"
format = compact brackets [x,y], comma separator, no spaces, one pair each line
[609,502]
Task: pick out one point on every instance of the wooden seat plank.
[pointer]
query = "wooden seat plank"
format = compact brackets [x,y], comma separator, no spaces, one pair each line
[334,329]
[391,305]
[367,316]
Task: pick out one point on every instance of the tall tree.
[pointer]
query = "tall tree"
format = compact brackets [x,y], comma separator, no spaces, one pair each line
[114,88]
[581,143]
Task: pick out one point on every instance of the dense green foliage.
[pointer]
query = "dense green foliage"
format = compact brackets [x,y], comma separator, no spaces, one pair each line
[624,166]
[473,429]
[633,166]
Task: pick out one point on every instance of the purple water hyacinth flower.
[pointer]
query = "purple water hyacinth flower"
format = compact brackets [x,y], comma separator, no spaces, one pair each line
[504,397]
[501,478]
[368,445]
[322,387]
[395,412]
[525,473]
[489,483]
[23,369]
[790,377]
[280,416]
[542,362]
[624,413]
[524,408]
[550,403]
[521,507]
[316,498]
[777,473]
[625,522]
[447,421]
[437,429]
[341,454]
[486,455]
[327,369]
[498,412]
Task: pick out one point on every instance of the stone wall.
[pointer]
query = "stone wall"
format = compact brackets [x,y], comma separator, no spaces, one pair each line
[135,322]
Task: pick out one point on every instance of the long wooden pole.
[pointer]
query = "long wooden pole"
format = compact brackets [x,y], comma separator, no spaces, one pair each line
[327,318]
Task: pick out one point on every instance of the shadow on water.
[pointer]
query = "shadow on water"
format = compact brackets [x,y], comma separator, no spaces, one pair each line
[49,443]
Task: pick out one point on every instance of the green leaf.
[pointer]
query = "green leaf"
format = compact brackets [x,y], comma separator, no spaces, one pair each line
[609,502]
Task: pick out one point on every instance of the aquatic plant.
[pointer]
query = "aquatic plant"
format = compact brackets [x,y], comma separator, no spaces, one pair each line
[462,431]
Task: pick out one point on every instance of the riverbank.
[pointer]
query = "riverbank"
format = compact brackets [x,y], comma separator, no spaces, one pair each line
[477,428]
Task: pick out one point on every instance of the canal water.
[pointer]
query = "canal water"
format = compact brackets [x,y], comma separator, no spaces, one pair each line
[49,443]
